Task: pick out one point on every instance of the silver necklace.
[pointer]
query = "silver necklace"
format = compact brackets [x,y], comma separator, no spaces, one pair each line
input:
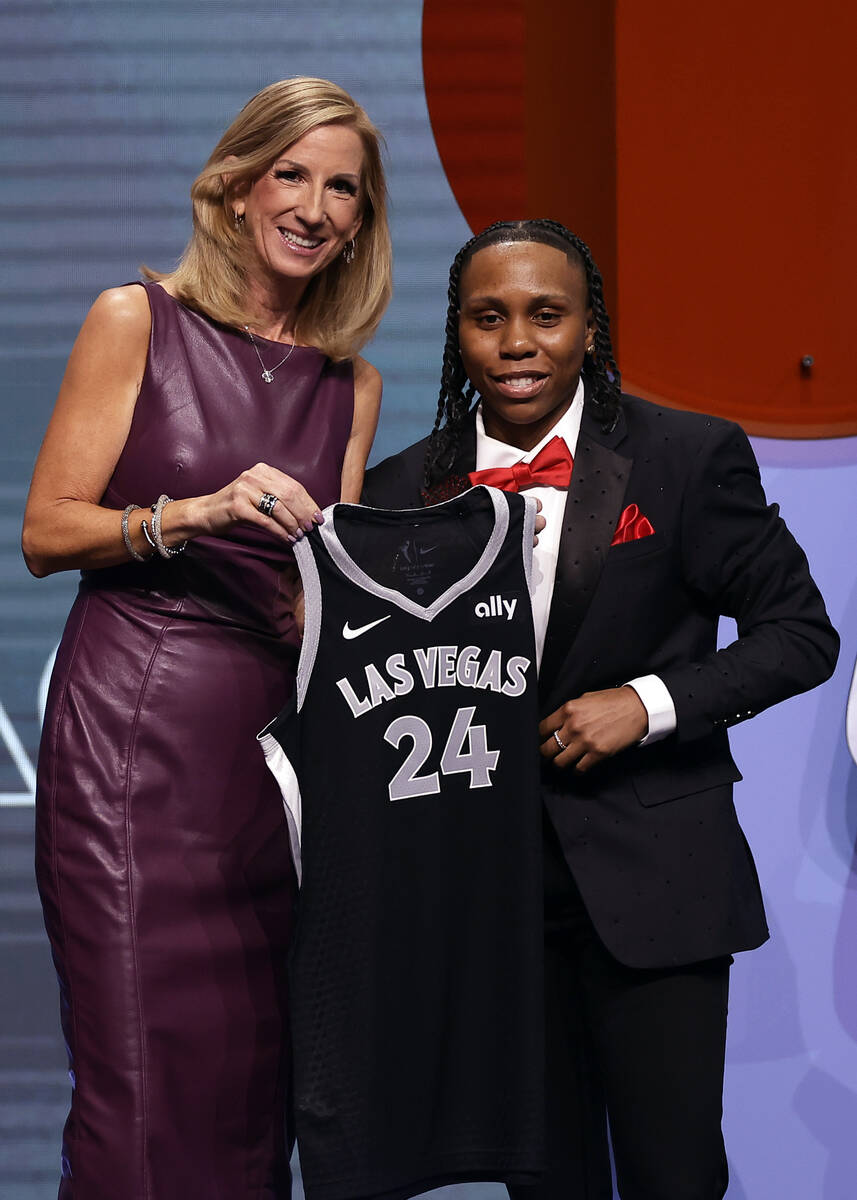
[267,372]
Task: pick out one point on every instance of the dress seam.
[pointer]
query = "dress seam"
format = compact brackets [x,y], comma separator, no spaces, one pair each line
[55,865]
[132,916]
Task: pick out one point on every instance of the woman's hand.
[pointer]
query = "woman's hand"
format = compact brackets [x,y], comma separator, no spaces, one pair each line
[294,513]
[595,726]
[540,522]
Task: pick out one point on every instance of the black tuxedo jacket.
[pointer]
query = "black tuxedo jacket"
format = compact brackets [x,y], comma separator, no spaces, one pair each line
[651,835]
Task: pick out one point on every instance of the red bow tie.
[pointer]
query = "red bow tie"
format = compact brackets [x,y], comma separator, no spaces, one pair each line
[550,468]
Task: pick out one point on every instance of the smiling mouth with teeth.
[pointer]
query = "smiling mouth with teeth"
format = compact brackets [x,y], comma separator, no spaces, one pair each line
[519,381]
[295,239]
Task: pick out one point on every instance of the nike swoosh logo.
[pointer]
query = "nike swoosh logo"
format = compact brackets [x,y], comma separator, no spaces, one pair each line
[348,633]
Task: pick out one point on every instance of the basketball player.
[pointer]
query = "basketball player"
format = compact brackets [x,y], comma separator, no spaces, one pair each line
[658,527]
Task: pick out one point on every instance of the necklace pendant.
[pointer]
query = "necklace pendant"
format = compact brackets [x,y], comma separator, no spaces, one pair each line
[268,376]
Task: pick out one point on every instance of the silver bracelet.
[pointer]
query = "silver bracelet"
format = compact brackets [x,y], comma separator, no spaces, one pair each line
[157,512]
[126,536]
[144,524]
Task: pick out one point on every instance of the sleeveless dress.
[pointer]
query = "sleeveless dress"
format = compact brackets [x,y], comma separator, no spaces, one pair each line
[162,850]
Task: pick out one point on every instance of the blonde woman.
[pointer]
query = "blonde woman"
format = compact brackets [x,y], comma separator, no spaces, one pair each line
[205,419]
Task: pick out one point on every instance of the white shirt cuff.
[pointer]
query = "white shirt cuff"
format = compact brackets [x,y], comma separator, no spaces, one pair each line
[658,703]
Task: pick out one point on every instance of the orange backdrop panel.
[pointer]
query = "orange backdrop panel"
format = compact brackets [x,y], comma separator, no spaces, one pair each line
[473,68]
[521,100]
[736,198]
[706,154]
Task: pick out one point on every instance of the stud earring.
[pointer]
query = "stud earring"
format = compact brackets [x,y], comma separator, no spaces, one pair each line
[590,349]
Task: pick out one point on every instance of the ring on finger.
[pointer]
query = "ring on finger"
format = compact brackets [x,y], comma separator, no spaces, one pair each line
[267,503]
[559,740]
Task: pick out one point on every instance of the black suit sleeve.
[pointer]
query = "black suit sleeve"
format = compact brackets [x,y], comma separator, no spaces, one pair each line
[395,482]
[740,560]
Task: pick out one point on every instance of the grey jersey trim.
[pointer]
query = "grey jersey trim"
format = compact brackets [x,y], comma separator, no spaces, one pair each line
[312,617]
[357,575]
[530,507]
[281,768]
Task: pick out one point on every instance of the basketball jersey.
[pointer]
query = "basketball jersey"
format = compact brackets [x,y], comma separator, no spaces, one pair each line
[408,761]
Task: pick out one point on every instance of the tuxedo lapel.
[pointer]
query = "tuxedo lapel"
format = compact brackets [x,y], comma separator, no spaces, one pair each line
[592,510]
[593,507]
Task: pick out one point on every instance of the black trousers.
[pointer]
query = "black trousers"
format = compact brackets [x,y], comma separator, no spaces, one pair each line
[643,1047]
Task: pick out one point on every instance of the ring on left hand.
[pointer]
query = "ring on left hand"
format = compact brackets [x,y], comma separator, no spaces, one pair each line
[559,740]
[267,503]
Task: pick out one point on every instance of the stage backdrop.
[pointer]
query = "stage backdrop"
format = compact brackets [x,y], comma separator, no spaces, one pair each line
[110,107]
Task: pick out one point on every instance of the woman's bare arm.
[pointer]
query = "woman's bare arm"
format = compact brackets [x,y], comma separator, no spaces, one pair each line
[367,405]
[65,526]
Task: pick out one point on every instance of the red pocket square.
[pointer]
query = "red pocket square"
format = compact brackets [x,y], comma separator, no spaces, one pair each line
[632,525]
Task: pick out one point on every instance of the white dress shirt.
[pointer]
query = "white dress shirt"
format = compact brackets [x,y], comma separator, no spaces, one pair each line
[493,453]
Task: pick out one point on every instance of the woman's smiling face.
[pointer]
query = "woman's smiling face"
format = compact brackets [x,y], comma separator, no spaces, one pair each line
[304,209]
[524,327]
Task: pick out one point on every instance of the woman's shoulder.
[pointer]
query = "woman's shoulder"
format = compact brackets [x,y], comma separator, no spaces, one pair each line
[366,377]
[117,327]
[646,414]
[367,383]
[124,308]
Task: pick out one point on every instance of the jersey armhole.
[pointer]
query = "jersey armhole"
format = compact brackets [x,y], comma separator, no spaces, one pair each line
[282,768]
[312,617]
[280,742]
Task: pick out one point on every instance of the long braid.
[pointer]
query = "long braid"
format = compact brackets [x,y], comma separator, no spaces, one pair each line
[455,396]
[457,393]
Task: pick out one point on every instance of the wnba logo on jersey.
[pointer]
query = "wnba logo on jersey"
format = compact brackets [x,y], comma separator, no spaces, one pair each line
[496,606]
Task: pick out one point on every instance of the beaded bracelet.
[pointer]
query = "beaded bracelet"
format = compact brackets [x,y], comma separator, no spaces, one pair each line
[157,512]
[126,536]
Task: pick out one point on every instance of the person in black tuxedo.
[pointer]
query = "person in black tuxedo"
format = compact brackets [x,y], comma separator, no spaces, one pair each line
[659,527]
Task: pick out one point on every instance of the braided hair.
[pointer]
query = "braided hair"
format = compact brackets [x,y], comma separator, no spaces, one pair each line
[599,369]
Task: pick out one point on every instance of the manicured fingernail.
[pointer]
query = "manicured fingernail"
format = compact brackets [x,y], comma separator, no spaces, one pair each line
[291,538]
[299,534]
[318,517]
[307,525]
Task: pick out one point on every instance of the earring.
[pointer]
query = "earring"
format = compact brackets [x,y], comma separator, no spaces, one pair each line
[348,252]
[590,349]
[238,219]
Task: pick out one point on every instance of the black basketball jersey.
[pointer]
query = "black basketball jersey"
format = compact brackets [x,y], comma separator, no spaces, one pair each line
[408,763]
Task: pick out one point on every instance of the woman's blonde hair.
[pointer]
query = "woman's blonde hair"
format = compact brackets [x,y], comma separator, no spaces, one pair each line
[342,306]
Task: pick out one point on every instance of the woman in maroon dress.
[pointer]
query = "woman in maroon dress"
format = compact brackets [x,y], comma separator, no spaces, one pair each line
[233,386]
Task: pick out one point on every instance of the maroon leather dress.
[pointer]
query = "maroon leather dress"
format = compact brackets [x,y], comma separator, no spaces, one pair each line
[162,851]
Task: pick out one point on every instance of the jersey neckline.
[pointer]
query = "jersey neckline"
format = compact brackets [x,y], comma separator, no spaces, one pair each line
[356,574]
